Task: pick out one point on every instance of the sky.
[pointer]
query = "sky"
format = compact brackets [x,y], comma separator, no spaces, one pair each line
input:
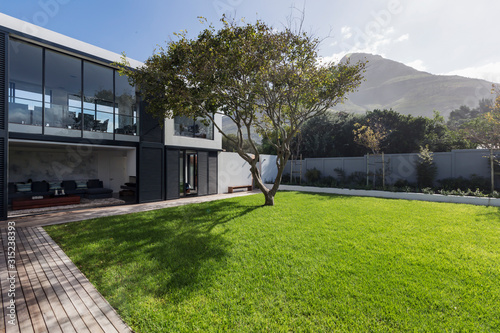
[452,37]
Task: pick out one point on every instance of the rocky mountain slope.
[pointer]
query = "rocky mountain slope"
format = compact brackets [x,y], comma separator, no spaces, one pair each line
[390,84]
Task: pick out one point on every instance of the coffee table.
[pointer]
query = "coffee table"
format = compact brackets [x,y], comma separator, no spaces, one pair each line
[47,201]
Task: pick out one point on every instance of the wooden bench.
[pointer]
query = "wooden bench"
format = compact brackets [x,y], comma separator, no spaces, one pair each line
[231,188]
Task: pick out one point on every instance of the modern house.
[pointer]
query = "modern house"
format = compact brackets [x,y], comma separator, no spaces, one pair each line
[67,114]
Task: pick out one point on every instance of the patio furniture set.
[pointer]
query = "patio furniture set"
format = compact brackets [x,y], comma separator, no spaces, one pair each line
[56,193]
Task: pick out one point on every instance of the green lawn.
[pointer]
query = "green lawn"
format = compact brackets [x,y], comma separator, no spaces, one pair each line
[311,263]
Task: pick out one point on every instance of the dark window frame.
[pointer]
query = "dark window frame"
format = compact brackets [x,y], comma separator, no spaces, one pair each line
[82,61]
[194,120]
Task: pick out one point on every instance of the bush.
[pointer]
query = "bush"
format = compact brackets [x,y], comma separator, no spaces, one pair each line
[357,178]
[285,179]
[400,183]
[426,169]
[474,182]
[328,181]
[313,175]
[342,177]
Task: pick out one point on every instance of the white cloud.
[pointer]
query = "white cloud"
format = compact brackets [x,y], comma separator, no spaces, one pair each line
[402,38]
[488,72]
[376,40]
[346,32]
[417,64]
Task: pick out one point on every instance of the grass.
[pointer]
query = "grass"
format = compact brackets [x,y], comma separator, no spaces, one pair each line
[311,263]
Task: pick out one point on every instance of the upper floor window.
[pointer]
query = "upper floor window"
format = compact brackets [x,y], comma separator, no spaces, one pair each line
[59,94]
[194,128]
[25,85]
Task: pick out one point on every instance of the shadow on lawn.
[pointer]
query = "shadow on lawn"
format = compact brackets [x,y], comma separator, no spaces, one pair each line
[170,252]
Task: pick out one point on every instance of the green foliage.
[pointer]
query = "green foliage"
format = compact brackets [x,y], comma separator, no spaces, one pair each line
[230,144]
[463,114]
[370,136]
[313,175]
[426,169]
[312,263]
[333,135]
[261,78]
[474,182]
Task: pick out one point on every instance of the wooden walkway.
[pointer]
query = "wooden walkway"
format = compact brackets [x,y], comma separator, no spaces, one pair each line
[49,291]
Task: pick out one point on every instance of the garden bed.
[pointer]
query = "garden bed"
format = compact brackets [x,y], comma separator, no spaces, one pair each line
[481,201]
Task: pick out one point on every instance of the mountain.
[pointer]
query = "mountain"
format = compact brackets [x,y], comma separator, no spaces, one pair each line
[390,84]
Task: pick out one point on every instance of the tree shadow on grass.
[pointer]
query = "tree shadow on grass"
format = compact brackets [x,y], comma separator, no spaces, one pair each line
[492,214]
[165,253]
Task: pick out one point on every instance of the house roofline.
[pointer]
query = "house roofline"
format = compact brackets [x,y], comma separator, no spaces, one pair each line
[23,29]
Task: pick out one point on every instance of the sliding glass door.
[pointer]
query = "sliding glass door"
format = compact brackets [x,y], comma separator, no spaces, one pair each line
[188,173]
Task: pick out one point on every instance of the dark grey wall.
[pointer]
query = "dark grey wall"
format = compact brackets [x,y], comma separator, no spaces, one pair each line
[401,166]
[151,171]
[3,125]
[172,174]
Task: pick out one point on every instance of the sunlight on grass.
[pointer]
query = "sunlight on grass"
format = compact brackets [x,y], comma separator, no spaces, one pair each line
[312,263]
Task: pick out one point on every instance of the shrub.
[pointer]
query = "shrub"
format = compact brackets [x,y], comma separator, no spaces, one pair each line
[313,175]
[426,169]
[342,177]
[474,181]
[285,178]
[357,178]
[328,181]
[428,190]
[401,183]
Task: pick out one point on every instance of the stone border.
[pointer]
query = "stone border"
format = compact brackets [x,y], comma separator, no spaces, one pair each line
[480,201]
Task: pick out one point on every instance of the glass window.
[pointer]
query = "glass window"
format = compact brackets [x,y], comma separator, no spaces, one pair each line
[203,128]
[63,86]
[195,128]
[25,83]
[126,106]
[98,98]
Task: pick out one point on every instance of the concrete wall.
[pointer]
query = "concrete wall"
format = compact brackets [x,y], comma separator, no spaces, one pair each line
[183,141]
[234,171]
[401,166]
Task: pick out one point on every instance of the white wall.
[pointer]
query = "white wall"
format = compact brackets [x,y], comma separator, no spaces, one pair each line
[234,171]
[115,166]
[182,141]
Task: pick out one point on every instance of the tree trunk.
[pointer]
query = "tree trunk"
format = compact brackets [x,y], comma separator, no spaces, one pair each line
[269,199]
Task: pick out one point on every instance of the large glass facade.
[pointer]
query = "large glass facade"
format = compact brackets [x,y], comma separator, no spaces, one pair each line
[54,93]
[98,100]
[63,82]
[26,85]
[126,117]
[194,128]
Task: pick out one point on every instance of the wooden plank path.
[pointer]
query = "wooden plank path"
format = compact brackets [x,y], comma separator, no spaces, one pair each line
[49,292]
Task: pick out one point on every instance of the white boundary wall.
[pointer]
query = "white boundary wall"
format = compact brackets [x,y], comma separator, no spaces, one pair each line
[234,171]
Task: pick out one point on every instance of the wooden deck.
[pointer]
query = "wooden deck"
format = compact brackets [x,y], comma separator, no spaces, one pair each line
[50,292]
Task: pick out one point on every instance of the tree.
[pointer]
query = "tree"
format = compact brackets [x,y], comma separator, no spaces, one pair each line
[228,144]
[426,169]
[370,136]
[259,77]
[485,131]
[464,113]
